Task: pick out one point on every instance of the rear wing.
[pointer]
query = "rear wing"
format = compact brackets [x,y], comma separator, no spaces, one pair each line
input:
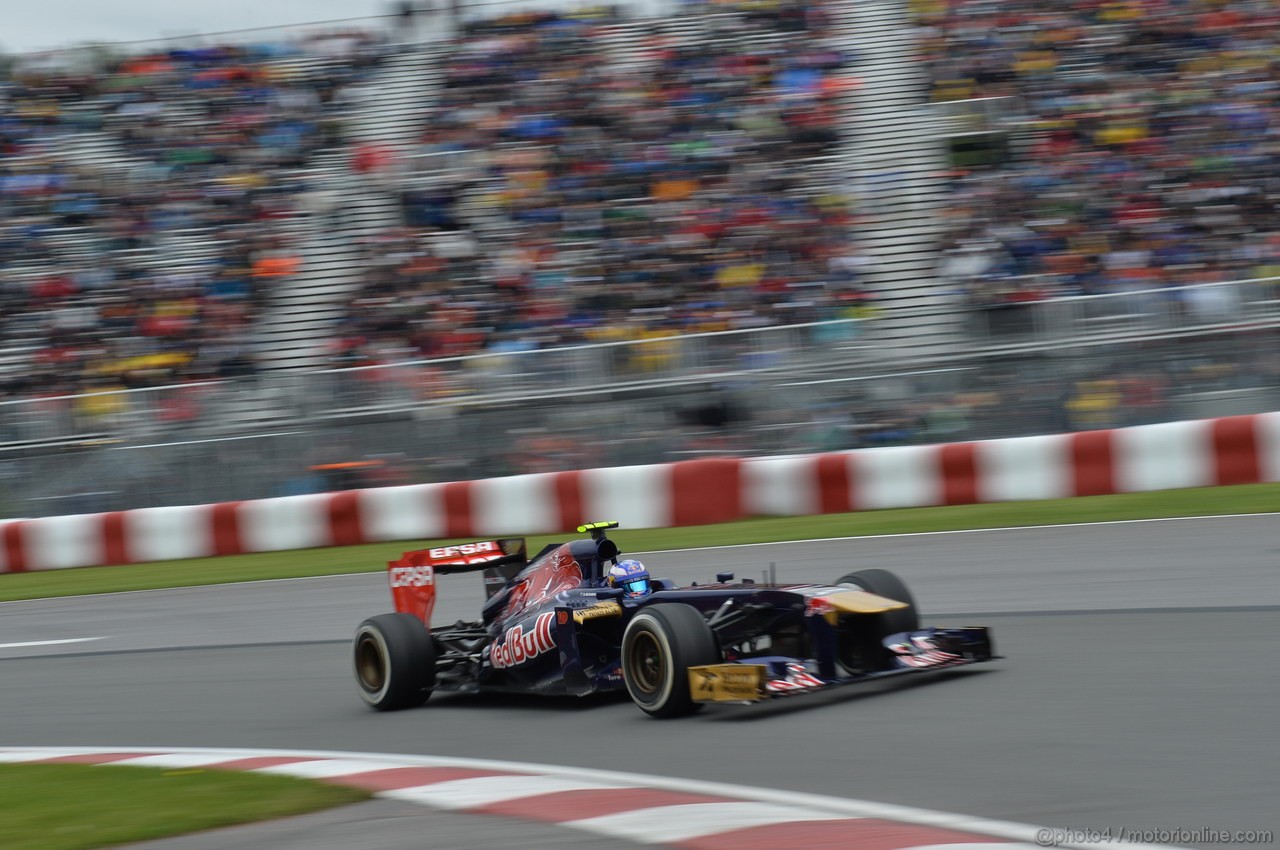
[412,576]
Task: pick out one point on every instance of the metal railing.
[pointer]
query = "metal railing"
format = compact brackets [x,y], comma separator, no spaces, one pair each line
[612,365]
[229,406]
[1140,312]
[255,441]
[977,115]
[624,365]
[113,414]
[308,432]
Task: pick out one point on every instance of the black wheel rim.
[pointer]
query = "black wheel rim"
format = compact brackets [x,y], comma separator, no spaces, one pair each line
[646,664]
[369,667]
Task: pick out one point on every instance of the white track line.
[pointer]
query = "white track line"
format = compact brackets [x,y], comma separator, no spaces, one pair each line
[956,531]
[820,806]
[47,642]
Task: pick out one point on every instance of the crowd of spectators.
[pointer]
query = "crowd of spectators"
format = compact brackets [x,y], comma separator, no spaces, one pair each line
[574,191]
[582,180]
[574,184]
[1146,145]
[145,202]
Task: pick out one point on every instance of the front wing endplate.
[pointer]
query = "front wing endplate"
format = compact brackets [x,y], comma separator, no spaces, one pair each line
[727,682]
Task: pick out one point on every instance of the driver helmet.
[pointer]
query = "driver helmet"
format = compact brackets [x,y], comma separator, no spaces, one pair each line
[631,576]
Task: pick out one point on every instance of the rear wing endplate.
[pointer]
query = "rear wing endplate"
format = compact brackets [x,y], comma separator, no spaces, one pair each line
[412,575]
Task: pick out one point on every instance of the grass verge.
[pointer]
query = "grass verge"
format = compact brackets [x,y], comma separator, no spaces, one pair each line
[77,807]
[1203,501]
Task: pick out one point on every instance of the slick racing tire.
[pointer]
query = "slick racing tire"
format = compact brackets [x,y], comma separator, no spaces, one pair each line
[860,646]
[395,661]
[659,646]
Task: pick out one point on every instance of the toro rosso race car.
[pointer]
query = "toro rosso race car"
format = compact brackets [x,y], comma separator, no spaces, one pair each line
[572,620]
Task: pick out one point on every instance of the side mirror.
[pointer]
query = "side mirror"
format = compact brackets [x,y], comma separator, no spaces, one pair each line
[724,578]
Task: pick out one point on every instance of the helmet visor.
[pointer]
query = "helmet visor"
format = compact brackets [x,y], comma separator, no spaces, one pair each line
[640,585]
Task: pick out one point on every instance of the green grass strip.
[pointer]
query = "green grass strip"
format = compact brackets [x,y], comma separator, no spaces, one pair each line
[1203,501]
[78,807]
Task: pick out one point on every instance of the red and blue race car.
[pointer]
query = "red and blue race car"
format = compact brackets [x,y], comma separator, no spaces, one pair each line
[556,624]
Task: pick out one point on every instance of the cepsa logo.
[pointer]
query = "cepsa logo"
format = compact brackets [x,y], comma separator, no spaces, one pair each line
[462,549]
[412,576]
[516,647]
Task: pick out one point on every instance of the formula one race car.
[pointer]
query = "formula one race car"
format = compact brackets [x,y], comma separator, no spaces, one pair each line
[556,625]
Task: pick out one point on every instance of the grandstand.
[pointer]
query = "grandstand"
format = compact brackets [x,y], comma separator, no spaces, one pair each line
[230,270]
[152,200]
[489,221]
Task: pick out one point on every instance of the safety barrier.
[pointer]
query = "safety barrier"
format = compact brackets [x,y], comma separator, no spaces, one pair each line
[1232,450]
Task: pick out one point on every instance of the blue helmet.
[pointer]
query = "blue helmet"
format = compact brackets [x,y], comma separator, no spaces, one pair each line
[631,576]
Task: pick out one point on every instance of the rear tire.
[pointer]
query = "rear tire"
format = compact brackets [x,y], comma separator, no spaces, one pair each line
[659,646]
[861,646]
[394,657]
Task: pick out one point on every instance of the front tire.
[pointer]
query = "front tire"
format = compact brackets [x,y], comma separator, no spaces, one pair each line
[659,646]
[860,646]
[887,584]
[394,658]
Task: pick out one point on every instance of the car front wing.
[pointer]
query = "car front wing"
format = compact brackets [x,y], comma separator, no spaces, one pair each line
[750,680]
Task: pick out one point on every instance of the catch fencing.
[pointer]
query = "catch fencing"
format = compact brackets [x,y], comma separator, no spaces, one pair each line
[748,394]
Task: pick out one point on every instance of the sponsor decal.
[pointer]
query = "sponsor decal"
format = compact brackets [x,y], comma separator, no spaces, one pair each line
[517,646]
[595,612]
[412,576]
[922,651]
[463,549]
[797,679]
[562,617]
[726,682]
[465,554]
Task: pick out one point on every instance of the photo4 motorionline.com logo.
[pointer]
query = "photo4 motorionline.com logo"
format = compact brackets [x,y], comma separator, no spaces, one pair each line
[1061,837]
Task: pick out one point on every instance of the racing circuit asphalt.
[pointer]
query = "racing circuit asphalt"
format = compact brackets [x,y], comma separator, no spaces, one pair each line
[1139,688]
